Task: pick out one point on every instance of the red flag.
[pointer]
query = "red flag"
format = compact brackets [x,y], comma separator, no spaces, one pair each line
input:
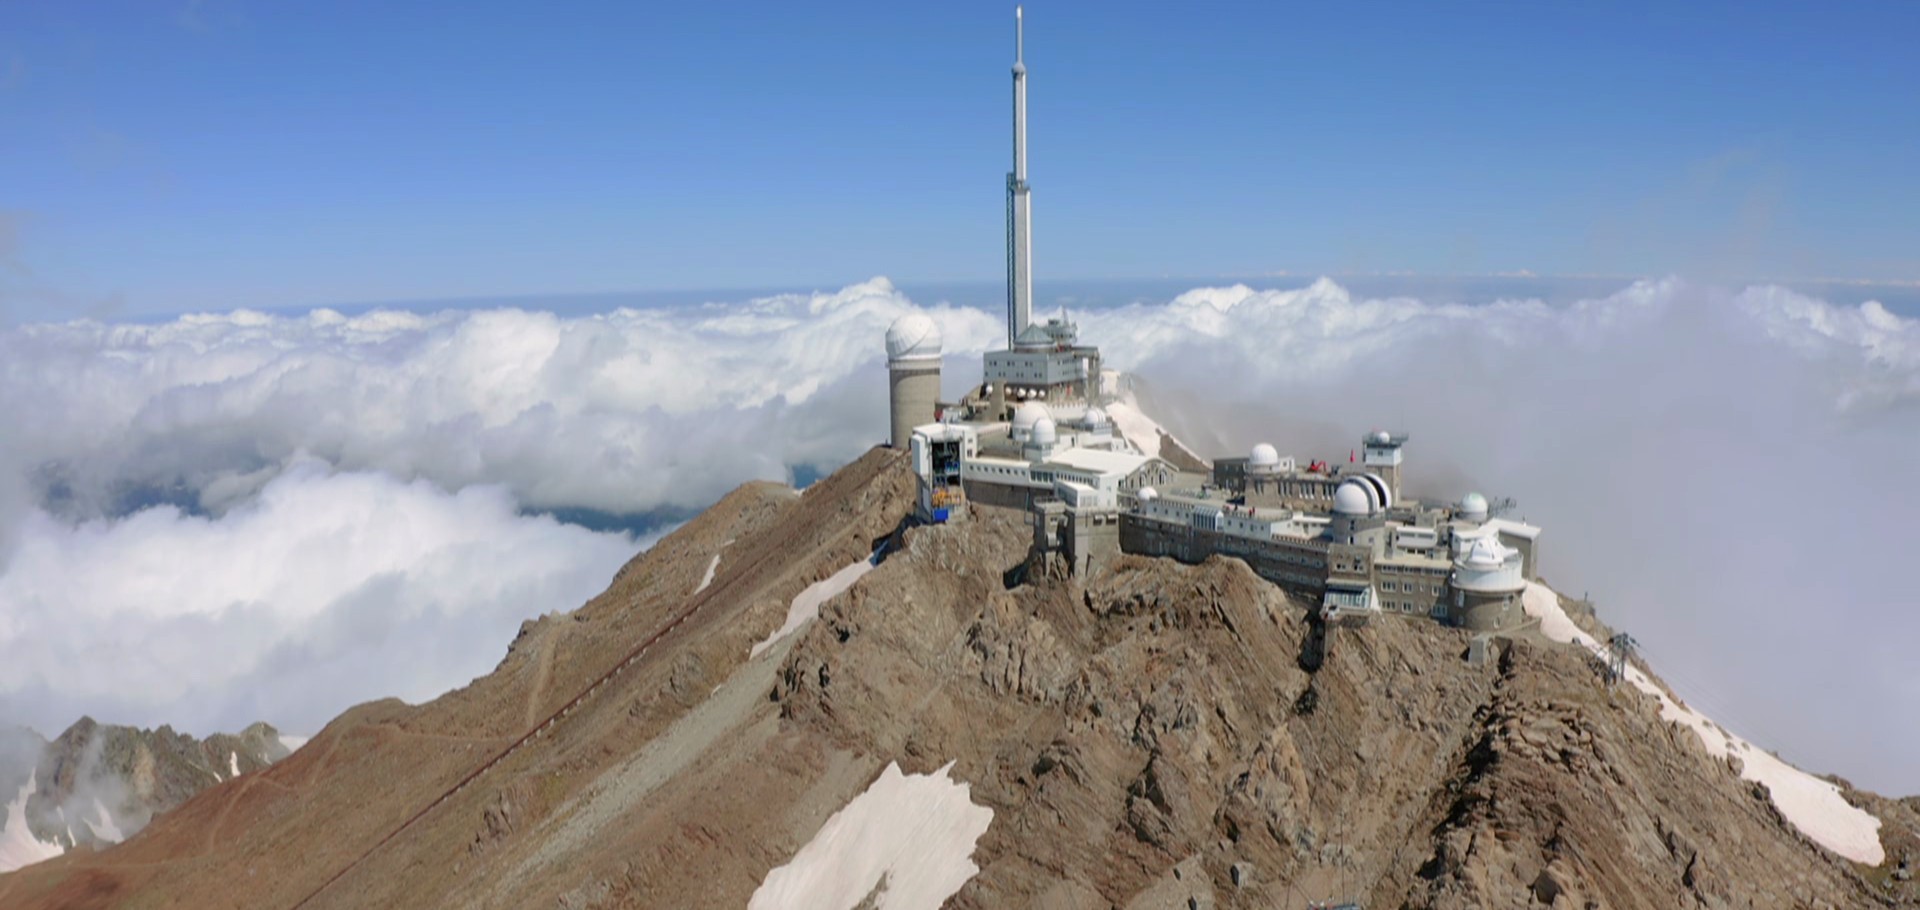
[1350,456]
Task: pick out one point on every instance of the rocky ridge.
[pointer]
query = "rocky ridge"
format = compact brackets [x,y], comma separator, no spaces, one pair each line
[97,783]
[1161,736]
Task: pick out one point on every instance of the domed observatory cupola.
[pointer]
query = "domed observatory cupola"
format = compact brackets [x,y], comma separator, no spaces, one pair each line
[1042,440]
[1025,418]
[1097,428]
[1472,508]
[1264,470]
[913,372]
[1264,459]
[1359,504]
[1486,584]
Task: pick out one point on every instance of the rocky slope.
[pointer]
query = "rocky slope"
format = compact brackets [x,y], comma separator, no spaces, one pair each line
[1164,736]
[95,784]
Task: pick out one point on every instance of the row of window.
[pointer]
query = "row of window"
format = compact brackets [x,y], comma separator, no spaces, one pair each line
[1409,587]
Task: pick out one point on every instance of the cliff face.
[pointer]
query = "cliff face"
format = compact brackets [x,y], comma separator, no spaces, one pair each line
[1166,734]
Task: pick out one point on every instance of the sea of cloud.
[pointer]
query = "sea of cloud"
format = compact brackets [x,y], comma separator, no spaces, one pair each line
[224,518]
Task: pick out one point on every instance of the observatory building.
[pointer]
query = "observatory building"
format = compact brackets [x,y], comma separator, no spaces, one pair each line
[1039,434]
[913,374]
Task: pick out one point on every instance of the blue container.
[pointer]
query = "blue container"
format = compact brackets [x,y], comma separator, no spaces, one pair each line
[939,515]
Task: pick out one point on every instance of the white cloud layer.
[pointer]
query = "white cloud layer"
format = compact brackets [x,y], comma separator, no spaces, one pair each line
[626,412]
[322,591]
[1726,471]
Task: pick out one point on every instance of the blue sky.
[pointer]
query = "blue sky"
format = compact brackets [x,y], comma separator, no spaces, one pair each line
[165,157]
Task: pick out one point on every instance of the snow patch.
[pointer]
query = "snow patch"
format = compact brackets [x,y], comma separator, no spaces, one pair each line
[18,846]
[1137,427]
[909,835]
[1813,805]
[806,604]
[1145,433]
[711,568]
[104,829]
[233,764]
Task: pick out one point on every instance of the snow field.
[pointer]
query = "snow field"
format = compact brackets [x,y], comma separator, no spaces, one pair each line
[18,846]
[909,835]
[1137,427]
[806,604]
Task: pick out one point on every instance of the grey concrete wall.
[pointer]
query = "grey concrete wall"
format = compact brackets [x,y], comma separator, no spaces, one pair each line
[1486,612]
[999,495]
[1299,568]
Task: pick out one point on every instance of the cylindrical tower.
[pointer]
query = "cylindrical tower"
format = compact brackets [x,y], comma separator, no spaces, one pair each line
[913,374]
[1486,586]
[1359,504]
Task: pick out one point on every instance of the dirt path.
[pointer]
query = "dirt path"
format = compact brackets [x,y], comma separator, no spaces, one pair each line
[541,675]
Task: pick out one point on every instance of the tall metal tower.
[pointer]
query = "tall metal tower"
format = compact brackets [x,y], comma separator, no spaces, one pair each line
[1621,648]
[1019,206]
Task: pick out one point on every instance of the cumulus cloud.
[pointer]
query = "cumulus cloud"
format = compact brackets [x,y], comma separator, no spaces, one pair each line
[1723,469]
[628,411]
[323,590]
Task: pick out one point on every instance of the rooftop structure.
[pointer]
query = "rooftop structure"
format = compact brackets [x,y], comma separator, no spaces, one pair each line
[1034,436]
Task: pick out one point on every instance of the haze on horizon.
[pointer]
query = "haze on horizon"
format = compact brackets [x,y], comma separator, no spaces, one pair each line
[273,487]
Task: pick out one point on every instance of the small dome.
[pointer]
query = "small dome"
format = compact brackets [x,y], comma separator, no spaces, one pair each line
[1148,494]
[1264,456]
[1486,553]
[1473,504]
[1095,418]
[1383,437]
[1028,414]
[1352,497]
[1044,432]
[914,336]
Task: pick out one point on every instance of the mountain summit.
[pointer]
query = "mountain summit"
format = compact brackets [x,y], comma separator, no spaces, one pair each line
[802,699]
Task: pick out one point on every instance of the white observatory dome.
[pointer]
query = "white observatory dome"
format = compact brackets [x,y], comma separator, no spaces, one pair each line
[1264,456]
[1352,497]
[1044,432]
[1362,495]
[1095,418]
[914,336]
[1473,507]
[1028,414]
[1147,494]
[1383,437]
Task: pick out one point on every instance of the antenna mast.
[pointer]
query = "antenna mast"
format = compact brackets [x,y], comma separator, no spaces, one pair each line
[1019,205]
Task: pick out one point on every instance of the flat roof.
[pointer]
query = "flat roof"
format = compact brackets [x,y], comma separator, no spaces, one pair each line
[1509,526]
[1099,460]
[1412,559]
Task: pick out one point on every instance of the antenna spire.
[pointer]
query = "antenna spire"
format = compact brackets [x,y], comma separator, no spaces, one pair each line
[1019,213]
[1019,36]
